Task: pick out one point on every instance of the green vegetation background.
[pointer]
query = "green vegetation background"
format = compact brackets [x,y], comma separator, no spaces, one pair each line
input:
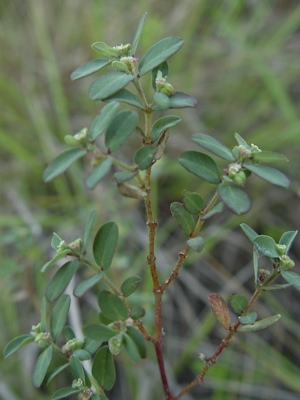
[241,61]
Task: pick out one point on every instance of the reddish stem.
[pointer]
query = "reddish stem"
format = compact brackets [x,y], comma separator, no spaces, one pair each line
[160,360]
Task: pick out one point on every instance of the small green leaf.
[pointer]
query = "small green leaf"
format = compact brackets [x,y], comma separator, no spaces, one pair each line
[248,319]
[87,284]
[120,66]
[162,124]
[112,306]
[91,346]
[54,260]
[76,368]
[121,127]
[144,156]
[192,202]
[277,287]
[131,348]
[183,218]
[137,35]
[108,84]
[16,344]
[201,165]
[249,232]
[64,392]
[287,239]
[59,316]
[268,156]
[269,174]
[89,68]
[103,119]
[52,374]
[130,285]
[214,211]
[292,278]
[61,163]
[98,173]
[158,53]
[99,333]
[124,176]
[43,325]
[220,309]
[139,341]
[60,280]
[105,51]
[126,96]
[88,230]
[264,323]
[104,319]
[234,198]
[162,102]
[69,333]
[182,100]
[197,244]
[255,265]
[213,145]
[238,303]
[103,369]
[163,68]
[241,141]
[266,246]
[82,355]
[137,312]
[55,242]
[105,244]
[42,366]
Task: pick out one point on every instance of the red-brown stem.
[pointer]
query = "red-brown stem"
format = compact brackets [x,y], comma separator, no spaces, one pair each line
[160,360]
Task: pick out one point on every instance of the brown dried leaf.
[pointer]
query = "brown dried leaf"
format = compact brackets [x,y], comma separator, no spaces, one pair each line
[220,309]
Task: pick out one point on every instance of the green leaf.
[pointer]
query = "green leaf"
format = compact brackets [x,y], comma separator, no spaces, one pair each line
[60,280]
[69,333]
[130,285]
[287,239]
[158,53]
[121,127]
[105,51]
[197,244]
[108,84]
[99,333]
[42,366]
[276,287]
[268,156]
[214,211]
[292,278]
[54,260]
[138,340]
[137,35]
[59,316]
[255,265]
[183,218]
[61,163]
[220,309]
[112,306]
[124,176]
[103,369]
[192,202]
[213,145]
[264,323]
[64,392]
[249,232]
[182,100]
[266,246]
[238,303]
[144,156]
[241,141]
[104,319]
[43,325]
[16,344]
[52,374]
[126,96]
[234,198]
[269,174]
[76,368]
[88,230]
[131,348]
[82,355]
[89,68]
[163,68]
[87,284]
[98,173]
[201,165]
[91,346]
[119,66]
[137,312]
[55,242]
[162,102]
[162,124]
[105,244]
[103,119]
[248,319]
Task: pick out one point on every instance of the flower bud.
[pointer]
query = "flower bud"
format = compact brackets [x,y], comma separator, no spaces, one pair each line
[286,262]
[281,248]
[131,191]
[62,246]
[254,148]
[263,274]
[82,136]
[130,62]
[244,153]
[98,157]
[233,170]
[240,178]
[75,344]
[236,152]
[65,349]
[77,384]
[167,89]
[123,48]
[76,245]
[115,343]
[70,140]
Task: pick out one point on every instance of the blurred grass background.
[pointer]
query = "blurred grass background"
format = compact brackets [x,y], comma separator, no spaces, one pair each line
[241,61]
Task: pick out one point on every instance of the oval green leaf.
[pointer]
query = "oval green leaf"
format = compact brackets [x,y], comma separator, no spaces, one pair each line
[16,344]
[124,176]
[61,163]
[183,218]
[220,309]
[268,156]
[103,119]
[130,285]
[89,68]
[131,348]
[77,369]
[55,242]
[264,323]
[163,68]
[266,246]
[292,278]
[249,232]
[182,100]
[269,174]
[144,156]
[99,333]
[87,284]
[248,319]
[82,355]
[91,346]
[241,141]
[105,244]
[192,202]
[287,239]
[162,102]
[98,173]
[137,312]
[108,84]
[105,51]
[255,265]
[137,35]
[238,303]
[119,66]
[158,53]
[88,230]
[213,145]
[43,325]
[112,306]
[52,374]
[59,316]
[103,369]
[138,340]
[214,211]
[60,280]
[126,96]
[121,127]
[58,257]
[42,366]
[69,333]
[201,165]
[64,392]
[234,198]
[196,244]
[162,124]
